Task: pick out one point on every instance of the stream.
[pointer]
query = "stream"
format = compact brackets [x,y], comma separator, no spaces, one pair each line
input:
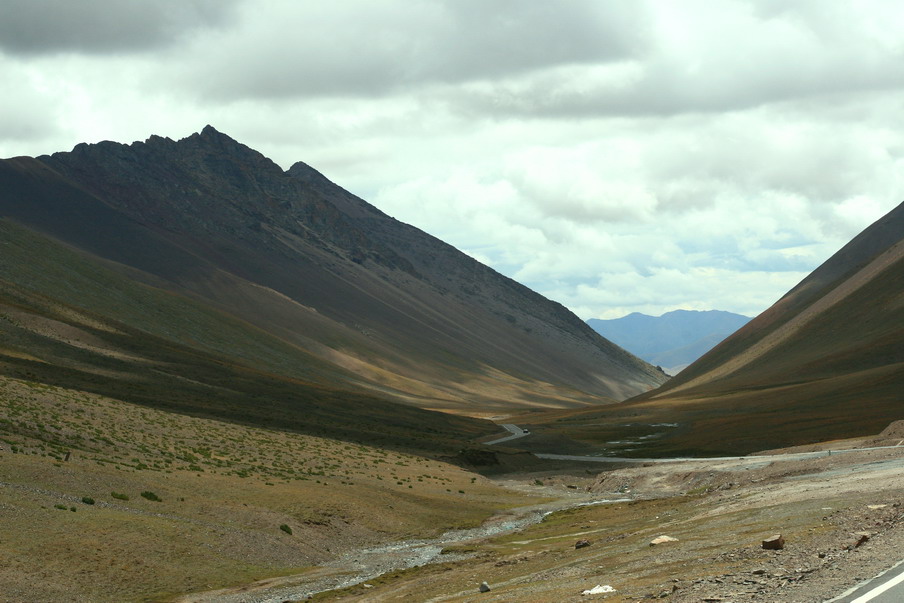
[361,565]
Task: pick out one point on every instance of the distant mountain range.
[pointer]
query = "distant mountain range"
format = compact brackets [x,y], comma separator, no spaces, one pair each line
[201,264]
[673,340]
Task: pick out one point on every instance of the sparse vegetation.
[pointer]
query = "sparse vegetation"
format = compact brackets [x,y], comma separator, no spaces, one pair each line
[151,496]
[324,486]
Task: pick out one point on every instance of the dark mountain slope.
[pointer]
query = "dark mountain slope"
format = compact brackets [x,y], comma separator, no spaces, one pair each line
[148,346]
[398,311]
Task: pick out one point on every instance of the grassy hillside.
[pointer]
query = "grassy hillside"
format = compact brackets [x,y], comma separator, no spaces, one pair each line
[151,504]
[162,446]
[68,321]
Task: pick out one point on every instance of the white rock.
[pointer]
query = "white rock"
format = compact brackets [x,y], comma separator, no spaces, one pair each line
[662,540]
[599,589]
[484,587]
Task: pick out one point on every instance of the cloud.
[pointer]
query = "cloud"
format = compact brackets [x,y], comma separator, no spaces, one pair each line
[28,114]
[40,27]
[715,57]
[616,156]
[375,47]
[728,201]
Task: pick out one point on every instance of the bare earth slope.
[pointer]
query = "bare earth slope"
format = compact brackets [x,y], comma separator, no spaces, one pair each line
[401,313]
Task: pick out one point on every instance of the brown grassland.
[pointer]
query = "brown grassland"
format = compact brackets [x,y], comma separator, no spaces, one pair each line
[82,531]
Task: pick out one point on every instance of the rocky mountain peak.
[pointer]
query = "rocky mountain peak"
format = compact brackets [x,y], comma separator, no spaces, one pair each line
[210,132]
[302,172]
[207,209]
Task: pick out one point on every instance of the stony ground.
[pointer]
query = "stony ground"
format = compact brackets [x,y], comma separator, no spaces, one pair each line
[219,524]
[858,533]
[841,517]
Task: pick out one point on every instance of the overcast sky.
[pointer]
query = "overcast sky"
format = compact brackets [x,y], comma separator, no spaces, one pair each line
[614,155]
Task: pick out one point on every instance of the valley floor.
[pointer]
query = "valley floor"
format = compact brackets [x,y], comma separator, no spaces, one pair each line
[841,516]
[151,506]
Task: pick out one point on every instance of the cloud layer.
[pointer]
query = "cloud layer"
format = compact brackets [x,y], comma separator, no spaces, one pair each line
[621,156]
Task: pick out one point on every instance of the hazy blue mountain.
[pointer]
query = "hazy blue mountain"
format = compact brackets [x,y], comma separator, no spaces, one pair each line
[673,340]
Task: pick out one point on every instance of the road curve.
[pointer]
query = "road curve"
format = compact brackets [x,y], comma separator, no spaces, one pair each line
[516,432]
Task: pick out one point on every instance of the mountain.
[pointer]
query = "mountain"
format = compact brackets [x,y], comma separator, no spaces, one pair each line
[844,318]
[206,245]
[825,362]
[673,340]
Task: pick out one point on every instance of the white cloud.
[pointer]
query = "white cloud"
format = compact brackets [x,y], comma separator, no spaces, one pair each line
[368,48]
[620,156]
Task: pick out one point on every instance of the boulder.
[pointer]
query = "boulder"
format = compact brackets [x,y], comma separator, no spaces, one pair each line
[484,587]
[662,540]
[774,543]
[598,590]
[580,544]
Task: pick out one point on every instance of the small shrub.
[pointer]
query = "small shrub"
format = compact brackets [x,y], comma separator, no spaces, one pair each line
[285,528]
[119,496]
[151,496]
[87,500]
[72,509]
[60,507]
